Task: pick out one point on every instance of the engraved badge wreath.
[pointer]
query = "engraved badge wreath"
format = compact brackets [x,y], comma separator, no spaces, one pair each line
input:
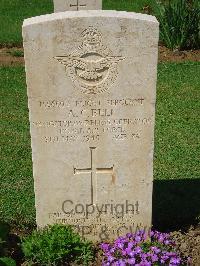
[91,67]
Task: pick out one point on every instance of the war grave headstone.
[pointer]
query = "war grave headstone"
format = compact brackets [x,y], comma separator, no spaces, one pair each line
[75,5]
[91,78]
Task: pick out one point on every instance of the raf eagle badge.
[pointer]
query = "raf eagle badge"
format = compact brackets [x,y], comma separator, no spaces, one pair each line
[91,67]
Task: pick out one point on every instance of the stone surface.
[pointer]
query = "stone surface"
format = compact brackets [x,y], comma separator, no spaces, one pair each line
[91,78]
[75,5]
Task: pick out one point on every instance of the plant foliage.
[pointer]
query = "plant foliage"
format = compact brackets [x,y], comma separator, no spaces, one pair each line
[7,262]
[56,245]
[179,23]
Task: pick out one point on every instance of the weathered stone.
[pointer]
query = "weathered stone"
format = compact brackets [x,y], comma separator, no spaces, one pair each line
[91,78]
[75,5]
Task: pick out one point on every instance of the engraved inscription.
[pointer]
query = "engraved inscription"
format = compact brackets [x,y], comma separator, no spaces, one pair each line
[77,5]
[91,120]
[91,67]
[93,170]
[94,226]
[61,104]
[93,129]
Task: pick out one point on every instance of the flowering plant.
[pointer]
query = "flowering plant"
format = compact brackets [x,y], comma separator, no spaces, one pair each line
[142,249]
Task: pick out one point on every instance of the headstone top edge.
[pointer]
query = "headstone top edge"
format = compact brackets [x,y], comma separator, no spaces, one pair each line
[88,13]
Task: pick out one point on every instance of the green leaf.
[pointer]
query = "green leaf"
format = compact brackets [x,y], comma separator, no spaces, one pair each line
[7,262]
[179,23]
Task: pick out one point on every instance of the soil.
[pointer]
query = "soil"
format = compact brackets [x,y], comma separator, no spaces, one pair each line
[7,57]
[189,244]
[166,55]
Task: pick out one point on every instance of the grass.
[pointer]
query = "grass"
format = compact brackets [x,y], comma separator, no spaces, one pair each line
[126,5]
[13,12]
[176,197]
[16,183]
[177,146]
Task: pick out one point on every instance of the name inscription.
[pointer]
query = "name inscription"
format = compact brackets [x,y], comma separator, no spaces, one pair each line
[90,120]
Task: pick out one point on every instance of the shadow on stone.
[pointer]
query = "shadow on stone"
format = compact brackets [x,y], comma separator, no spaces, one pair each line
[176,204]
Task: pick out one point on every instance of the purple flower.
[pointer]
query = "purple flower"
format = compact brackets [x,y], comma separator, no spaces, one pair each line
[130,245]
[138,250]
[120,245]
[166,242]
[112,250]
[175,261]
[111,258]
[138,239]
[120,263]
[161,238]
[105,263]
[154,258]
[145,263]
[129,235]
[131,261]
[165,258]
[130,253]
[155,250]
[105,246]
[152,233]
[135,249]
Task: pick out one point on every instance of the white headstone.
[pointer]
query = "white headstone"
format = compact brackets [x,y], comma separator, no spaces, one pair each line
[75,5]
[91,78]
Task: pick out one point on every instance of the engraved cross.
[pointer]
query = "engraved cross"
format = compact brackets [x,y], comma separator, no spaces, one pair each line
[77,5]
[93,171]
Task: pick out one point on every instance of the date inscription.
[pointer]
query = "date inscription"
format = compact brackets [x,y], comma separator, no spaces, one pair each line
[91,120]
